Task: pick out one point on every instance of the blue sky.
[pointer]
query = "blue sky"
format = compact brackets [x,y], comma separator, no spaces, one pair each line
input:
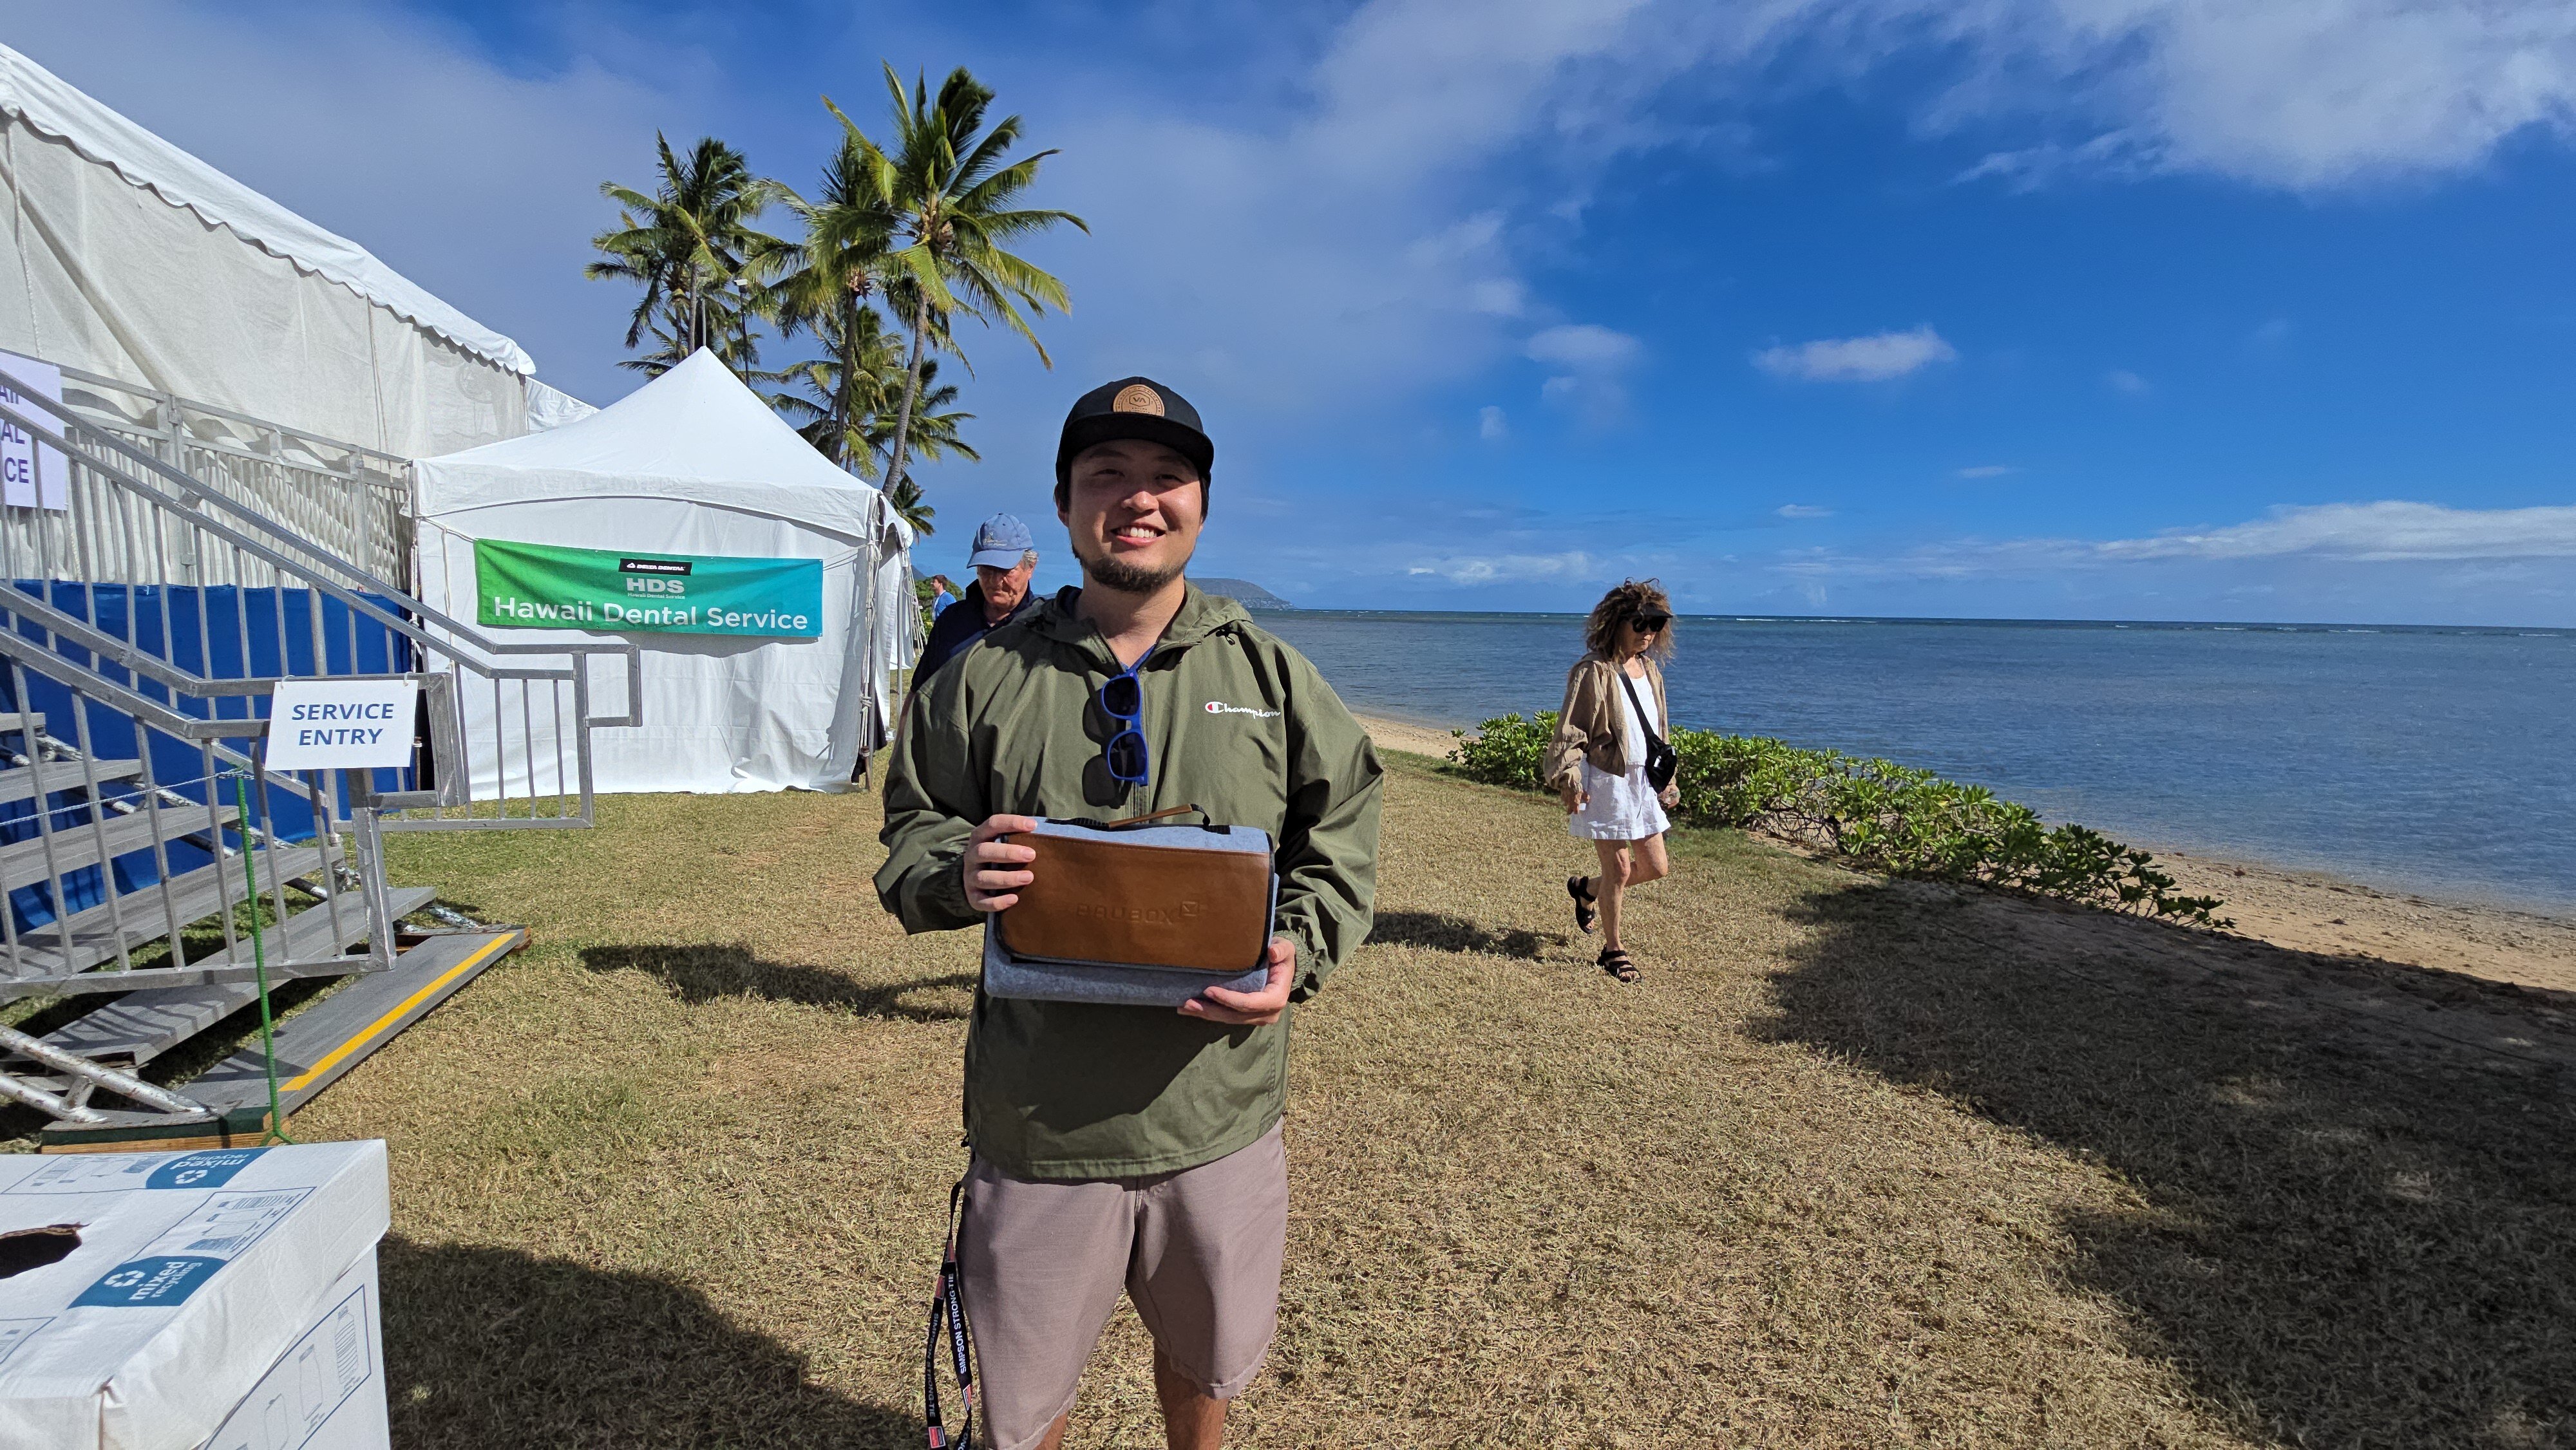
[2052,308]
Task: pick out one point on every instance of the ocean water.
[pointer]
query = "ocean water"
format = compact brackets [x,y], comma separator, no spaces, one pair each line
[2440,761]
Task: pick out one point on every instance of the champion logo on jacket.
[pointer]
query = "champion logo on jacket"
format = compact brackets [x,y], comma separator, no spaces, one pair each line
[1219,707]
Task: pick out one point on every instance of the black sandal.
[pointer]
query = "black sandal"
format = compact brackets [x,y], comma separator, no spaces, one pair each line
[1616,963]
[1583,913]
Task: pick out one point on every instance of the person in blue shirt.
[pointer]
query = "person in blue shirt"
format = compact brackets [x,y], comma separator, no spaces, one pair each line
[942,594]
[1004,558]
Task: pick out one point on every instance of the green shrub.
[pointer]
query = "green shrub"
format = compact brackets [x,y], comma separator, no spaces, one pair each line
[1505,751]
[1872,813]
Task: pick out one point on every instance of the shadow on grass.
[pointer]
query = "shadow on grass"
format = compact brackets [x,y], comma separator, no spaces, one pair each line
[2359,1231]
[489,1347]
[1448,933]
[699,974]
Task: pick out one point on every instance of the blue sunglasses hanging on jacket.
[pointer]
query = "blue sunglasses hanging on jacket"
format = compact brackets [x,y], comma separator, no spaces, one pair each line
[1122,699]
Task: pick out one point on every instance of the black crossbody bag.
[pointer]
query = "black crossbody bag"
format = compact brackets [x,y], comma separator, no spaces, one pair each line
[1662,761]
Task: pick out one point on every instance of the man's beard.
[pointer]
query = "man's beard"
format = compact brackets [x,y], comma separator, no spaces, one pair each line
[1117,575]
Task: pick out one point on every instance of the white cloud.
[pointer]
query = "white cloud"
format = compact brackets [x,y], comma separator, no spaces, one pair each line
[2390,532]
[2305,96]
[2127,383]
[2372,533]
[1803,511]
[1871,359]
[1596,358]
[1509,568]
[1584,346]
[1987,470]
[1491,425]
[2123,154]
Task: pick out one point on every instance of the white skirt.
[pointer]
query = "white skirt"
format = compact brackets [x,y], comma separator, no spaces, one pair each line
[1621,808]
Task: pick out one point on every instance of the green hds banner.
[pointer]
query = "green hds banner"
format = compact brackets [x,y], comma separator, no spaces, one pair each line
[551,587]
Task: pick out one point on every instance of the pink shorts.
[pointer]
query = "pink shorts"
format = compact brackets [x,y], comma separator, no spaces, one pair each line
[1043,1261]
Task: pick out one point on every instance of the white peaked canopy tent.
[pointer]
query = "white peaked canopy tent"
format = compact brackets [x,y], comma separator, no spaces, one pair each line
[691,463]
[123,255]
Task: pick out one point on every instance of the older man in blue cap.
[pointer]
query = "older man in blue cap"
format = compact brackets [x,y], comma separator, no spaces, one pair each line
[1004,558]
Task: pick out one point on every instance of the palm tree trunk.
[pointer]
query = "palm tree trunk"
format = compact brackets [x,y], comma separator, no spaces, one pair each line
[911,387]
[845,398]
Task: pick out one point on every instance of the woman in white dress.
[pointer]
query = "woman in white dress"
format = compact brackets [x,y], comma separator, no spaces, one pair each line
[1597,762]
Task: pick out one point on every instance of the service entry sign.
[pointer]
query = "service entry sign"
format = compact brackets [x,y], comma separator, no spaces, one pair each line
[340,724]
[549,586]
[32,474]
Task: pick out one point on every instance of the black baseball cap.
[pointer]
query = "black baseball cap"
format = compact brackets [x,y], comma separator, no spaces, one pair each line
[1133,408]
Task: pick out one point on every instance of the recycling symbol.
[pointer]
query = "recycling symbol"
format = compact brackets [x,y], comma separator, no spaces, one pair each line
[188,1175]
[123,1279]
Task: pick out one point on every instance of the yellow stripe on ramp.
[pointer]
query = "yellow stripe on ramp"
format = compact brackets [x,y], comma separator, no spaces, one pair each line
[376,1028]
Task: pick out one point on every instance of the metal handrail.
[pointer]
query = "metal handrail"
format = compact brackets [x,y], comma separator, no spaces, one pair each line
[162,399]
[365,581]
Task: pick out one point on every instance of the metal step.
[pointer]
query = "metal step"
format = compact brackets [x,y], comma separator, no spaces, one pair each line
[13,721]
[315,1048]
[88,937]
[62,775]
[140,1026]
[77,845]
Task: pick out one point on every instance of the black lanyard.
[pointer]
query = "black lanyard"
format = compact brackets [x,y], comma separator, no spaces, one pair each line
[948,1313]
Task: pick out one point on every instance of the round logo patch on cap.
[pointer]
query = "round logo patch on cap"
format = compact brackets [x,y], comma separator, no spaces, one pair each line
[1137,398]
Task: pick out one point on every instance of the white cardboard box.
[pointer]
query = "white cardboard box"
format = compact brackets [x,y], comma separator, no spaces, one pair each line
[231,1290]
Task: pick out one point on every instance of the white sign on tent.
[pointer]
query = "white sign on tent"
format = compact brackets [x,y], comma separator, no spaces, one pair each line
[32,474]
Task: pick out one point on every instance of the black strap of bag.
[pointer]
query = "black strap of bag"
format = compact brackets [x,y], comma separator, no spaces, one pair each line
[1661,759]
[948,1321]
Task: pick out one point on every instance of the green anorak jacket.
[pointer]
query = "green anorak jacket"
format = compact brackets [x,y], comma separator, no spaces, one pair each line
[1238,723]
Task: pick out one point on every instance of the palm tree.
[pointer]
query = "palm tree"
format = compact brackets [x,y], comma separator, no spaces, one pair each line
[692,246]
[728,314]
[944,199]
[905,499]
[824,286]
[845,400]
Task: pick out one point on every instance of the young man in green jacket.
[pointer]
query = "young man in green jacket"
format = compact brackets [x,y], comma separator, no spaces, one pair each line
[1128,1147]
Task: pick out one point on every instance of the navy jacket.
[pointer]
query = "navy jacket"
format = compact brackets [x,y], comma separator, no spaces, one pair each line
[960,625]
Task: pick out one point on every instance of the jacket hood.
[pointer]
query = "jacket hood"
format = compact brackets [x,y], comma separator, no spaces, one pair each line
[1202,614]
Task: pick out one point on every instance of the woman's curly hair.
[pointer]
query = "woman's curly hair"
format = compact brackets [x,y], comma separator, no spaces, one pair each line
[1632,598]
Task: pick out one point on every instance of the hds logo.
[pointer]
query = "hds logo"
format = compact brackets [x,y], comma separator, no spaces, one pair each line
[647,584]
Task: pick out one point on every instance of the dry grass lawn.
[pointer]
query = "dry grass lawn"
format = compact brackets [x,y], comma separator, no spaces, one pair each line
[1858,1163]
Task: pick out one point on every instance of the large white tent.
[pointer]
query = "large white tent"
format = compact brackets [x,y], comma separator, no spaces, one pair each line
[130,258]
[691,463]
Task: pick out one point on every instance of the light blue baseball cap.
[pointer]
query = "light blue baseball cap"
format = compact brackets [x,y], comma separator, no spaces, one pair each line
[1001,543]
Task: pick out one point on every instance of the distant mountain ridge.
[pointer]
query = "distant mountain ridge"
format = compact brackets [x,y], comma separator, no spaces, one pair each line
[1243,592]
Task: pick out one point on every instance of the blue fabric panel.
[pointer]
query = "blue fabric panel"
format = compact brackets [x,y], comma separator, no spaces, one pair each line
[218,632]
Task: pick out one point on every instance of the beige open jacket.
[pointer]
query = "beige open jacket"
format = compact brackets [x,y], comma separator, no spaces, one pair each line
[1594,723]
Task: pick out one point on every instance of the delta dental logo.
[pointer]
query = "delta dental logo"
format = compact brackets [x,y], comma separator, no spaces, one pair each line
[656,576]
[1219,707]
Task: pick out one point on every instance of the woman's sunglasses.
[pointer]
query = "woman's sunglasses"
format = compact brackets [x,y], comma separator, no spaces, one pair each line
[1650,623]
[1122,699]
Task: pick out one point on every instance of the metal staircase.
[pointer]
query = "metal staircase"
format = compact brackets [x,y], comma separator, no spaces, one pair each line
[200,559]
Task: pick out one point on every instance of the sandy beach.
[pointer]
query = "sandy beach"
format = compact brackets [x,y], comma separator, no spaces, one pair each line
[2303,910]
